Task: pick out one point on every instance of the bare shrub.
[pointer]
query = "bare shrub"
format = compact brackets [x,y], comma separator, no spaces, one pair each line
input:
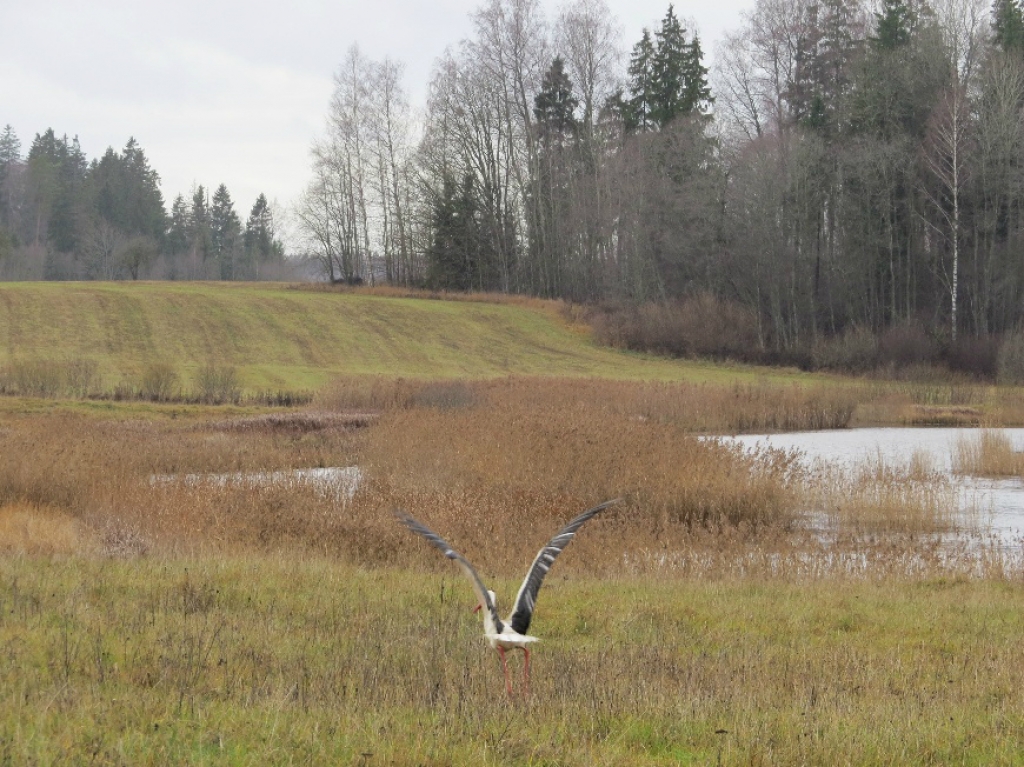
[854,351]
[217,384]
[907,344]
[50,378]
[159,382]
[1010,358]
[81,378]
[34,378]
[977,356]
[698,326]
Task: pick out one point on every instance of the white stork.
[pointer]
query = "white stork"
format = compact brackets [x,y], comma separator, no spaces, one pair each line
[511,633]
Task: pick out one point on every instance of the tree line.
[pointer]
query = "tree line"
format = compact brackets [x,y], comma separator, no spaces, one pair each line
[846,166]
[64,217]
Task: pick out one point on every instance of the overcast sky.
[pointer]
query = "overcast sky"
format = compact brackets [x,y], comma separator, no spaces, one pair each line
[234,92]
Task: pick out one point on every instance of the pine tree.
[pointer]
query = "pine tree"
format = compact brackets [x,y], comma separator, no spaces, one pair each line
[260,245]
[1008,25]
[10,158]
[669,70]
[637,109]
[894,25]
[178,234]
[199,235]
[225,232]
[554,107]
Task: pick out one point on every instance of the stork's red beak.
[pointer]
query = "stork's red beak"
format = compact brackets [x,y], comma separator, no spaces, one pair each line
[477,608]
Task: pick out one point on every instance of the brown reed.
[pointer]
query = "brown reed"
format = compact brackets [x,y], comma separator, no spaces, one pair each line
[495,466]
[989,454]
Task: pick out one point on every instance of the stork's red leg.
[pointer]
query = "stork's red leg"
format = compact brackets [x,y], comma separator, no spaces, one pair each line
[526,670]
[504,665]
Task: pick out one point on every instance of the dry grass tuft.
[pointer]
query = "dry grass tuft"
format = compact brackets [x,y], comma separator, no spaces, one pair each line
[990,454]
[878,498]
[36,530]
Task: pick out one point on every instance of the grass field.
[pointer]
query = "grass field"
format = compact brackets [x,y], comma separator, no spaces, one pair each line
[700,622]
[285,338]
[292,660]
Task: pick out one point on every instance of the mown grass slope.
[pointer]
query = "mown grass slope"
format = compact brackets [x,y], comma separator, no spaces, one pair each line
[285,338]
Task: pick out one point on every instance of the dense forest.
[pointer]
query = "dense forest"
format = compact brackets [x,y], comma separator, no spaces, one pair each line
[845,168]
[64,217]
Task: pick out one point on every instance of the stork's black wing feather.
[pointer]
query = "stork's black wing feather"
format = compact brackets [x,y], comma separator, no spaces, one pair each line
[478,585]
[522,612]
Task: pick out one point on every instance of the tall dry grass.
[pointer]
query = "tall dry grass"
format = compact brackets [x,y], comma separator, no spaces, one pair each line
[32,530]
[988,454]
[694,407]
[878,497]
[494,466]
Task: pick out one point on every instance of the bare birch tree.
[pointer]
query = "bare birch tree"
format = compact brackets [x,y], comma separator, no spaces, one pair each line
[947,156]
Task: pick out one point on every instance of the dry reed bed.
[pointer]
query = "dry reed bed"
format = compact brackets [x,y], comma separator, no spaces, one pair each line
[495,467]
[694,407]
[989,454]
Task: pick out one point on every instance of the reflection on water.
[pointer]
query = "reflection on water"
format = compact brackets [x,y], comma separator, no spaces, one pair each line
[1001,500]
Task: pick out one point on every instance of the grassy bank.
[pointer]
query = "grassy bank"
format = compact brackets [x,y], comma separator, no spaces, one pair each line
[260,345]
[285,338]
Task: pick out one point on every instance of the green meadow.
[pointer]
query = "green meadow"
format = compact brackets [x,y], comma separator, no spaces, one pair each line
[281,337]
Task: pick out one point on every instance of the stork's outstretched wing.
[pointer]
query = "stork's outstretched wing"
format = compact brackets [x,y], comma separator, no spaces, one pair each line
[478,585]
[522,612]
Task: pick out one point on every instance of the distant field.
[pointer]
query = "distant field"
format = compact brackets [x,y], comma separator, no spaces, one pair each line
[282,337]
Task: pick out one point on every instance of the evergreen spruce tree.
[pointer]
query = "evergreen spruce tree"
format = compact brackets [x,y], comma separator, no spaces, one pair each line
[894,25]
[144,213]
[669,70]
[554,107]
[57,168]
[225,233]
[696,90]
[1008,25]
[178,234]
[260,245]
[199,234]
[678,79]
[10,158]
[455,259]
[637,110]
[10,148]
